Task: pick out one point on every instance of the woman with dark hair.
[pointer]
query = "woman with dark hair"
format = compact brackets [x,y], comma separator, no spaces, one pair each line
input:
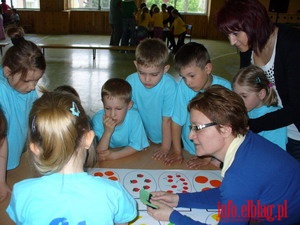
[275,49]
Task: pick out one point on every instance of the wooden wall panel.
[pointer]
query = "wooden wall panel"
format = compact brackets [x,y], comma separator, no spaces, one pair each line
[27,20]
[199,23]
[212,31]
[53,5]
[53,22]
[89,22]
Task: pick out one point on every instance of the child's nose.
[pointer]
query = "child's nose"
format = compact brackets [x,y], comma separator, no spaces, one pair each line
[112,113]
[32,86]
[191,135]
[148,78]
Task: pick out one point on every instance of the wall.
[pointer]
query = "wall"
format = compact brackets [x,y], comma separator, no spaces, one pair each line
[53,18]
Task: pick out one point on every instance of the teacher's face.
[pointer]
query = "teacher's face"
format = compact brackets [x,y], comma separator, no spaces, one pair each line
[240,40]
[208,141]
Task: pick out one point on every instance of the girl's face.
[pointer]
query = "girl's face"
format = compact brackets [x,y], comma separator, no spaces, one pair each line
[208,141]
[196,78]
[251,98]
[24,85]
[150,76]
[116,108]
[240,40]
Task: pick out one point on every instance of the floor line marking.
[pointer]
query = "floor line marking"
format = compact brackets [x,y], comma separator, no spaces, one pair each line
[220,56]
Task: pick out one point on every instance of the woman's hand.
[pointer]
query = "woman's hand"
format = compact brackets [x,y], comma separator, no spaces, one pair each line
[166,198]
[162,213]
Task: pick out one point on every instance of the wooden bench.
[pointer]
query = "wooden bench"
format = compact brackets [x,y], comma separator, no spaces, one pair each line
[2,45]
[94,47]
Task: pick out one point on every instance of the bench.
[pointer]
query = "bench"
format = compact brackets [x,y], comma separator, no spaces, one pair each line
[94,47]
[2,45]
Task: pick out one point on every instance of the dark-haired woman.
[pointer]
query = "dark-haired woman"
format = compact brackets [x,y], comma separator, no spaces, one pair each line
[275,49]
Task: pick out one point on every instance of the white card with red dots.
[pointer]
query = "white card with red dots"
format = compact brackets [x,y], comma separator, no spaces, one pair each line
[172,181]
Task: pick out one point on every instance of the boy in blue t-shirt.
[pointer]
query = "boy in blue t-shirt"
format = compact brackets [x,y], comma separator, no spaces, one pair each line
[192,61]
[154,92]
[117,125]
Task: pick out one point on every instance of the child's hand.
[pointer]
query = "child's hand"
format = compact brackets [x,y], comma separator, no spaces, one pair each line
[109,124]
[105,155]
[197,162]
[4,191]
[172,158]
[159,153]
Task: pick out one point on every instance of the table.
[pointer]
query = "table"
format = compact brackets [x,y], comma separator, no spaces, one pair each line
[139,160]
[143,160]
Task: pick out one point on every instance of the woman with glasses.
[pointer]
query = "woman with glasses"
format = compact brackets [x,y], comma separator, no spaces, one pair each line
[260,181]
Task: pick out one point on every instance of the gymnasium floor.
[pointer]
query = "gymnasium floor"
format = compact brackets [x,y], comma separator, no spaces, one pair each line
[76,67]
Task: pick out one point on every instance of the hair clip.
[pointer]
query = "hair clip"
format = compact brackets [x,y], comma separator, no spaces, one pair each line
[257,80]
[33,128]
[74,110]
[270,85]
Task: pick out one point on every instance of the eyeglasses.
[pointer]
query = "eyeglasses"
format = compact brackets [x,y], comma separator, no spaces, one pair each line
[197,128]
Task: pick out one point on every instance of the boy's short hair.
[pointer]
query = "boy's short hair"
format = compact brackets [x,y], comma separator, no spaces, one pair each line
[190,53]
[152,52]
[117,88]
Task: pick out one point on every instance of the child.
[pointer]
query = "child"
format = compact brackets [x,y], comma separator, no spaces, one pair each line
[154,92]
[60,143]
[179,30]
[15,34]
[23,65]
[192,61]
[260,98]
[143,25]
[164,12]
[67,89]
[15,17]
[117,126]
[157,19]
[4,189]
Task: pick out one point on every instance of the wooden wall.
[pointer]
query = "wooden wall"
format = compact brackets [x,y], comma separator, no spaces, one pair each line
[53,18]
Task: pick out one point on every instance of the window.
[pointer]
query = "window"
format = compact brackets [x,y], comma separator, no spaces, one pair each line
[24,4]
[89,4]
[185,6]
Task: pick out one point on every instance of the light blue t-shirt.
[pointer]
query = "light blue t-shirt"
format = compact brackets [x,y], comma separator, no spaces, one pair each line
[181,115]
[153,103]
[130,133]
[78,198]
[277,136]
[16,107]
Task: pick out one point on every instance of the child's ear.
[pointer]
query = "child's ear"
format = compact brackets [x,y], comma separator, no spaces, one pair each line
[89,137]
[6,71]
[208,68]
[262,94]
[135,63]
[130,104]
[166,68]
[34,148]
